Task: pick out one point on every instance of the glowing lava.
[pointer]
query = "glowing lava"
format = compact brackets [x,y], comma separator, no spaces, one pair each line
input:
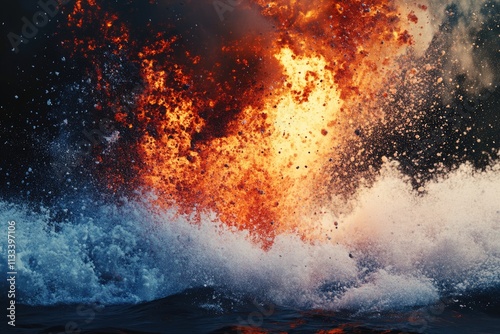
[246,129]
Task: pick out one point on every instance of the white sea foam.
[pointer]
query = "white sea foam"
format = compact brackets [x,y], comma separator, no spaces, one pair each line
[395,249]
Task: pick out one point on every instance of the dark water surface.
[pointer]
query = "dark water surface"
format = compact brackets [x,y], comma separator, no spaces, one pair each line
[206,311]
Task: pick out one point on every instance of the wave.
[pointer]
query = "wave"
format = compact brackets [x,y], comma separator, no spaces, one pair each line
[395,248]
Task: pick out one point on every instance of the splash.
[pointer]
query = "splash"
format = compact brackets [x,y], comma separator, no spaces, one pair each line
[396,249]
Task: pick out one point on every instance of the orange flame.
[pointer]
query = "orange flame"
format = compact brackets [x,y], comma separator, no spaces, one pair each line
[246,131]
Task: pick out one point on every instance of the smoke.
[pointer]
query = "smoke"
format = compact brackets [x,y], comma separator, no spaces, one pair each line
[466,33]
[469,53]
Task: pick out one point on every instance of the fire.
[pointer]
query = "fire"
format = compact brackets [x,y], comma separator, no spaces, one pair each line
[245,131]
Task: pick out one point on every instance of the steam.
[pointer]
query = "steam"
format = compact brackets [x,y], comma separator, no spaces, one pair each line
[461,30]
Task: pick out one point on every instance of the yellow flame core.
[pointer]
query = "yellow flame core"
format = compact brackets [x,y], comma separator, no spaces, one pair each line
[304,137]
[265,173]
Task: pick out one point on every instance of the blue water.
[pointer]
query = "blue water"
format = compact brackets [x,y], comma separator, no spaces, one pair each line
[398,260]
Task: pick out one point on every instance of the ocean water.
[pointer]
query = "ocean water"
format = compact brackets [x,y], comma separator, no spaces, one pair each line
[138,167]
[400,261]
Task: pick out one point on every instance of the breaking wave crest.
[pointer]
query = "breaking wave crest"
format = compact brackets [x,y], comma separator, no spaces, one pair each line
[394,249]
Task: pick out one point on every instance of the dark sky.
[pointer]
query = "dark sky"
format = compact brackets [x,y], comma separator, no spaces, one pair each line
[24,81]
[30,116]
